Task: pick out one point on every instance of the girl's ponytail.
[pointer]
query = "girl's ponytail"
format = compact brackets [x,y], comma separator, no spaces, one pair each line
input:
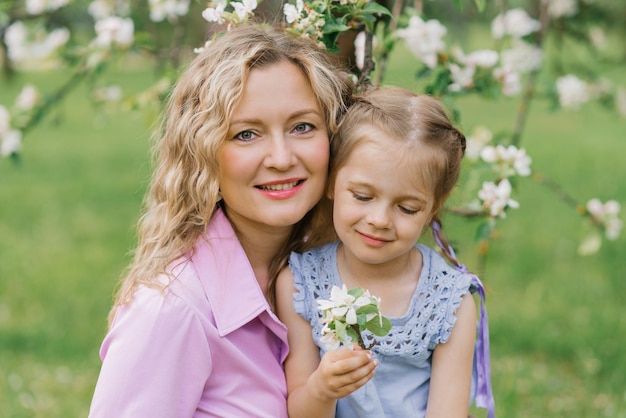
[484,392]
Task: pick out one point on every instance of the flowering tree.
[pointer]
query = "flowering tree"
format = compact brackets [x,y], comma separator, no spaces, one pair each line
[33,35]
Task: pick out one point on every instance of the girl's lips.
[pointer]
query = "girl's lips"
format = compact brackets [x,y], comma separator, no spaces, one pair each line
[371,240]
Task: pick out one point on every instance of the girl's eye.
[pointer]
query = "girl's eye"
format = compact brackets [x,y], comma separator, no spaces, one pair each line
[303,128]
[407,210]
[245,136]
[361,197]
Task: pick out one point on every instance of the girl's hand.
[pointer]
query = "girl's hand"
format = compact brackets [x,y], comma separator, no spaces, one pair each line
[343,371]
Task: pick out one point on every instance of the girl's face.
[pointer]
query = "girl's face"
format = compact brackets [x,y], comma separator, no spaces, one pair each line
[380,203]
[274,162]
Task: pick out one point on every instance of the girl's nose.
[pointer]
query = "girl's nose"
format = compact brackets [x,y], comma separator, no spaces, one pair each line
[280,155]
[378,215]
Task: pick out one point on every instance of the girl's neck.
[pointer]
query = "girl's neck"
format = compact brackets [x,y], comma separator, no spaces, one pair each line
[394,281]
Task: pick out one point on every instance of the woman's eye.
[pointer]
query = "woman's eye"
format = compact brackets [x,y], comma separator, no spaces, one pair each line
[245,136]
[303,128]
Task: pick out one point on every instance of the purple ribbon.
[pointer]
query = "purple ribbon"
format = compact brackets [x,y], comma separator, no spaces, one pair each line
[484,392]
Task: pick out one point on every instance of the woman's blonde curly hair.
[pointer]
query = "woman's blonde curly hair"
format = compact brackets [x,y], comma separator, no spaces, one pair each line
[184,189]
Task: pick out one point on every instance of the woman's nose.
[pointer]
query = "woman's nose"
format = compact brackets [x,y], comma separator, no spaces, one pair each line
[280,154]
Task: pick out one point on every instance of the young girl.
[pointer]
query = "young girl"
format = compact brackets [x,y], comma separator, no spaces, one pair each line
[242,160]
[394,162]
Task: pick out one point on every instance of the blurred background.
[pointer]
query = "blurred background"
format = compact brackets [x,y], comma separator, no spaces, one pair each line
[70,202]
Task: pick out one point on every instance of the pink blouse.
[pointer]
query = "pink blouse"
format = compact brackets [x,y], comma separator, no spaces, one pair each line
[208,347]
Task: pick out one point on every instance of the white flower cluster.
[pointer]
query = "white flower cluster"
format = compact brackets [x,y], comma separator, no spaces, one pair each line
[10,139]
[33,47]
[304,20]
[424,39]
[515,23]
[561,8]
[111,27]
[100,9]
[167,9]
[217,13]
[573,92]
[37,7]
[507,161]
[241,11]
[497,197]
[10,135]
[346,314]
[521,57]
[607,214]
[114,31]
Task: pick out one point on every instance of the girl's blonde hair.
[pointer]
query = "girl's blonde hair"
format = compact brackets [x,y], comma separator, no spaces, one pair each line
[419,125]
[184,189]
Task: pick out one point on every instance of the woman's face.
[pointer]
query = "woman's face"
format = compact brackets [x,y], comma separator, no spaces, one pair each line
[274,162]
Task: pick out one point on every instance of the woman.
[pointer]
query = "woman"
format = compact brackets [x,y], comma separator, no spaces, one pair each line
[242,160]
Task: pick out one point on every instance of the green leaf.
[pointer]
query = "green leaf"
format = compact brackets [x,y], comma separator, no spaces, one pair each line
[375,328]
[373,7]
[368,309]
[335,26]
[483,231]
[480,5]
[354,336]
[356,292]
[458,4]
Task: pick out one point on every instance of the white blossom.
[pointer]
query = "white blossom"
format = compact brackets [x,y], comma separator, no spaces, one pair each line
[497,197]
[462,78]
[37,7]
[340,315]
[28,97]
[114,30]
[507,160]
[5,120]
[523,57]
[484,58]
[100,9]
[608,215]
[561,8]
[510,80]
[244,8]
[108,94]
[424,39]
[167,9]
[359,50]
[597,37]
[215,14]
[33,48]
[293,13]
[11,143]
[478,139]
[515,23]
[572,91]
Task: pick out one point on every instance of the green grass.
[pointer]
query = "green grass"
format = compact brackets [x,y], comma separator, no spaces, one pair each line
[67,216]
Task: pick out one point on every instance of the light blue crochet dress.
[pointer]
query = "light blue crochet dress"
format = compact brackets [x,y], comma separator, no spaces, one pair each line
[401,383]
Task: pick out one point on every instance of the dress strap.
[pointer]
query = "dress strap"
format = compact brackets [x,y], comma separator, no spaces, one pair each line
[484,393]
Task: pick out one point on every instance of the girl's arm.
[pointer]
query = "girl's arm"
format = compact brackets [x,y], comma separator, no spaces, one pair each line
[313,386]
[450,382]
